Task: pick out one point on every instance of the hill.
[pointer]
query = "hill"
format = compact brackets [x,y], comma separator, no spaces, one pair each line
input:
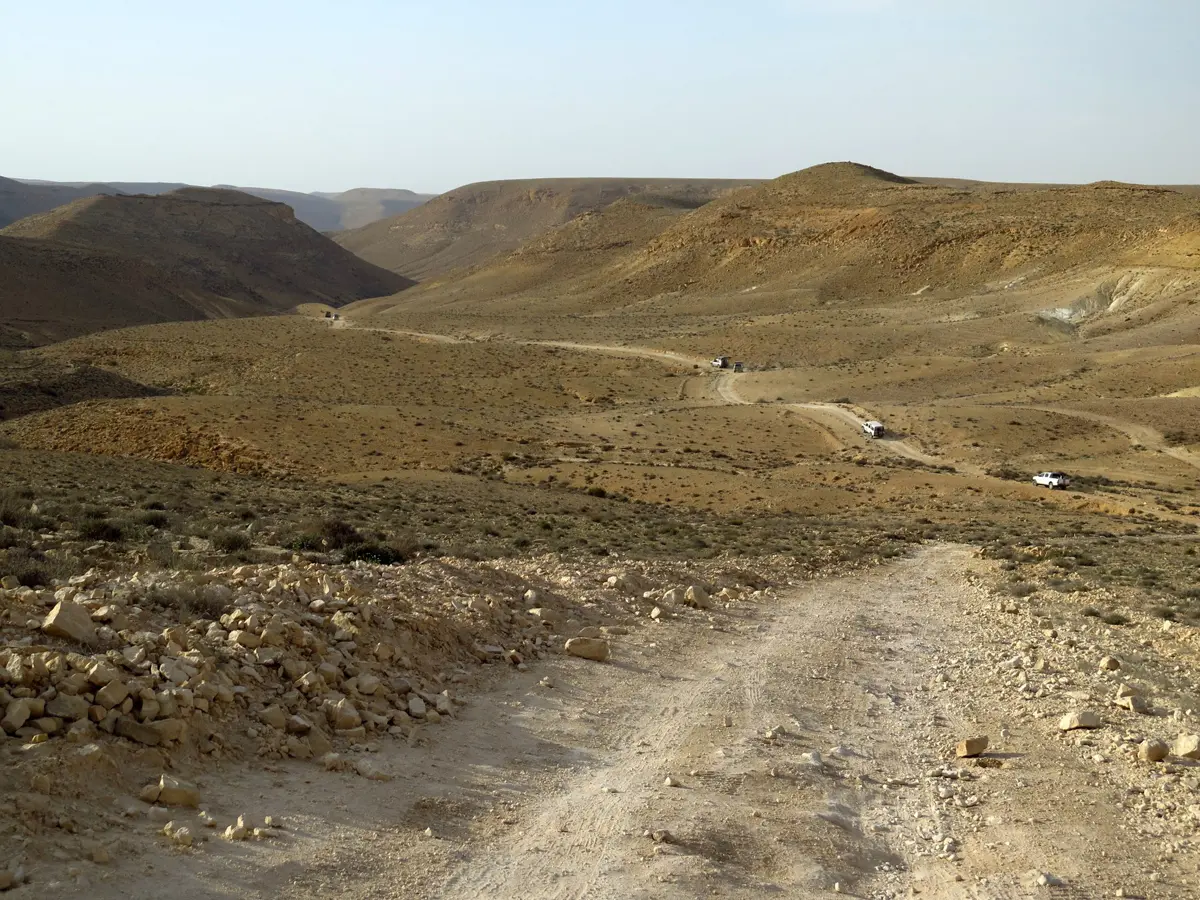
[849,232]
[362,206]
[849,237]
[348,209]
[112,261]
[973,184]
[18,199]
[320,210]
[470,224]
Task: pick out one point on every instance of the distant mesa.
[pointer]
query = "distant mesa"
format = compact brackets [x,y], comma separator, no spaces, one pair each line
[325,212]
[110,261]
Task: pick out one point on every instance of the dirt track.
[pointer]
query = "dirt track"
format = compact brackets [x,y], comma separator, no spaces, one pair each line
[824,413]
[1139,435]
[547,786]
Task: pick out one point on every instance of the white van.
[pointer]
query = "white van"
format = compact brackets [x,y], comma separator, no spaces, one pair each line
[873,429]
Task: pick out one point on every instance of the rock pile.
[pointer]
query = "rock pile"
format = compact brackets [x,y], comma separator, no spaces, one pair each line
[309,655]
[108,675]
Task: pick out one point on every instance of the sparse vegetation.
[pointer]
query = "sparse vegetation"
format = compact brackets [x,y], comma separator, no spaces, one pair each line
[228,540]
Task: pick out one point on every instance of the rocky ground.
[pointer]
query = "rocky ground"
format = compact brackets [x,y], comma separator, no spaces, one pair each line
[116,686]
[420,731]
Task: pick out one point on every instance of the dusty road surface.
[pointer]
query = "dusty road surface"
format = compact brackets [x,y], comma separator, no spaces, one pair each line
[804,740]
[842,424]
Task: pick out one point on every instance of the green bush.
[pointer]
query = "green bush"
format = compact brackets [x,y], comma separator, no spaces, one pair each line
[307,541]
[372,552]
[99,529]
[154,519]
[162,554]
[28,567]
[230,541]
[191,601]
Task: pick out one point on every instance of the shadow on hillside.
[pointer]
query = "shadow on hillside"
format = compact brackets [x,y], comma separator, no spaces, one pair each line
[38,387]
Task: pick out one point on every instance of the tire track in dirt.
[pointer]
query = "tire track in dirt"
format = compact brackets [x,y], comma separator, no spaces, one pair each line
[727,391]
[801,729]
[724,389]
[1139,435]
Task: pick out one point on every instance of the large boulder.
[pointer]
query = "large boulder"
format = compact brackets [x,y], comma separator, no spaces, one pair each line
[131,728]
[1084,718]
[112,694]
[1153,750]
[173,792]
[343,716]
[16,714]
[71,621]
[1187,746]
[973,746]
[67,706]
[588,648]
[697,596]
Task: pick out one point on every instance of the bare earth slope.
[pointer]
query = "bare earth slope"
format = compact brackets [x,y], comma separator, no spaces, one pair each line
[849,231]
[469,224]
[111,261]
[843,242]
[18,199]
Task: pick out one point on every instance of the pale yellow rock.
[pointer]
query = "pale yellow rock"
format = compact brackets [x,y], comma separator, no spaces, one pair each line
[173,792]
[1153,751]
[1084,718]
[71,621]
[596,649]
[1187,746]
[112,694]
[973,746]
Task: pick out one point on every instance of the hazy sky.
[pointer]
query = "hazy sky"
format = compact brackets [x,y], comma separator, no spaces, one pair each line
[318,95]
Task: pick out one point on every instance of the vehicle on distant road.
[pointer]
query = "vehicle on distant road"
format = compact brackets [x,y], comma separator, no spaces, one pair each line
[873,429]
[739,367]
[1052,480]
[721,362]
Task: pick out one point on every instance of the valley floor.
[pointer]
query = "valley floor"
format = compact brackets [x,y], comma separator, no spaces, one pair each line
[795,747]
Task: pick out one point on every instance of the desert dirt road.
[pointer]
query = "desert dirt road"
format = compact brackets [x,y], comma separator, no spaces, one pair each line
[1139,435]
[619,350]
[827,414]
[839,423]
[805,737]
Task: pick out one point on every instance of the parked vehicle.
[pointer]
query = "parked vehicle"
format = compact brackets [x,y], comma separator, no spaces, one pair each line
[1052,480]
[873,429]
[721,362]
[739,367]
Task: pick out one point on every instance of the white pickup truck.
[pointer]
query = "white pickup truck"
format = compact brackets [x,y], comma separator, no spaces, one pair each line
[1052,480]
